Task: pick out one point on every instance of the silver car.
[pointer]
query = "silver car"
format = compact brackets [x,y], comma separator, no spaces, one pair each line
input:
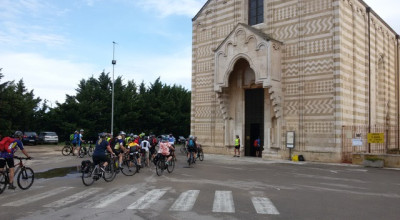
[48,137]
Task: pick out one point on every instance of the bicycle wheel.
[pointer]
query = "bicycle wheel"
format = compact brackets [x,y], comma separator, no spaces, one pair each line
[201,155]
[87,176]
[128,167]
[66,150]
[3,181]
[90,151]
[82,152]
[182,149]
[160,167]
[109,173]
[190,160]
[171,166]
[25,178]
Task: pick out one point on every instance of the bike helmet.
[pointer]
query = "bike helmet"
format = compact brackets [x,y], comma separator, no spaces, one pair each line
[165,138]
[122,133]
[18,134]
[102,134]
[191,137]
[82,130]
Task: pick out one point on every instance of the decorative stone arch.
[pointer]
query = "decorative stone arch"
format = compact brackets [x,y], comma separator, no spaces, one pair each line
[263,55]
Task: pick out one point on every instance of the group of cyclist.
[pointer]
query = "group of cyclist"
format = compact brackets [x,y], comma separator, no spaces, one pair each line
[136,145]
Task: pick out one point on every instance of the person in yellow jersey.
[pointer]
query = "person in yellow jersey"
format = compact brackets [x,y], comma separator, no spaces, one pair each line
[237,146]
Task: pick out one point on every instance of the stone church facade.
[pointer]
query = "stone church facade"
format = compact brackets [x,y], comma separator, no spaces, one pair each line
[263,68]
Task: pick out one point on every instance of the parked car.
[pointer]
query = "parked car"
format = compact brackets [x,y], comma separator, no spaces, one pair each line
[30,137]
[181,140]
[48,137]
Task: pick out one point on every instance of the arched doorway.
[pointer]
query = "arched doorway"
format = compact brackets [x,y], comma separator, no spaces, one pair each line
[246,106]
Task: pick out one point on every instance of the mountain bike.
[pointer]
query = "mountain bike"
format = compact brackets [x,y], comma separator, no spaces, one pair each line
[86,150]
[25,175]
[184,149]
[192,158]
[129,164]
[162,165]
[200,153]
[91,172]
[68,149]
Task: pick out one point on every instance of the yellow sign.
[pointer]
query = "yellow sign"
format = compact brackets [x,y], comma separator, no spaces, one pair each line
[376,138]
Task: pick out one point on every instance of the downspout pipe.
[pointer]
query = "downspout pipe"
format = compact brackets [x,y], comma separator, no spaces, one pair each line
[369,74]
[397,92]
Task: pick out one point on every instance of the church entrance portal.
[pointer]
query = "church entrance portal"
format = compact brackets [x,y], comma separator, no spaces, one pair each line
[254,119]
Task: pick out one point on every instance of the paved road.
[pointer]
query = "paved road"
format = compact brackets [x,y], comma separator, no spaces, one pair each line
[220,187]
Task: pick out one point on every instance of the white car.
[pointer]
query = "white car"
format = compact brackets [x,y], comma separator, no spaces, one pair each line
[48,137]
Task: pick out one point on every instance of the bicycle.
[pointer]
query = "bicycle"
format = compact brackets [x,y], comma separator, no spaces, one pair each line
[86,150]
[91,173]
[191,159]
[25,175]
[129,164]
[68,149]
[163,165]
[200,153]
[184,150]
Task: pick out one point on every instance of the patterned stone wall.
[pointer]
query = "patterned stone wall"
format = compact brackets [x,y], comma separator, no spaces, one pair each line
[324,70]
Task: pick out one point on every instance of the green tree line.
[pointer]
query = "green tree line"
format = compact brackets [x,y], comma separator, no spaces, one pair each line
[157,108]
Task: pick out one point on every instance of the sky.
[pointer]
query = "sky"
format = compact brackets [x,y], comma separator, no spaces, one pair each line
[53,44]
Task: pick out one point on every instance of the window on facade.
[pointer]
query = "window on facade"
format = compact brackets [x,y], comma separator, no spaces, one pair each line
[256,12]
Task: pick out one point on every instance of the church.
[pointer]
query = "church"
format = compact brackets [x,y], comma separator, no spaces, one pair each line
[304,76]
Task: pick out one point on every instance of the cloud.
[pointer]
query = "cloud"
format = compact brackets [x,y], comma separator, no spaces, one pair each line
[50,79]
[171,68]
[172,7]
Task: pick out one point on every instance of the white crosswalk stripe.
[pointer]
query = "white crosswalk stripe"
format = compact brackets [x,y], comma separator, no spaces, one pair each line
[223,202]
[35,198]
[264,206]
[73,198]
[186,201]
[111,198]
[145,201]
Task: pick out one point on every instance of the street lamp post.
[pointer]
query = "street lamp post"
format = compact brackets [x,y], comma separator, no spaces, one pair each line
[113,62]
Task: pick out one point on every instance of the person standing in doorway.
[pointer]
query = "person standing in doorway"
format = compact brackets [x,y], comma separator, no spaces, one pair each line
[257,147]
[237,146]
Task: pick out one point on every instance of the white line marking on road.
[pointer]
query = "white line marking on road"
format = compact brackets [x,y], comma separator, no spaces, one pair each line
[113,197]
[223,202]
[145,201]
[186,201]
[73,198]
[38,197]
[264,206]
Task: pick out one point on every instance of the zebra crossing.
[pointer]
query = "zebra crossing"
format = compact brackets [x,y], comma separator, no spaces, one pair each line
[223,200]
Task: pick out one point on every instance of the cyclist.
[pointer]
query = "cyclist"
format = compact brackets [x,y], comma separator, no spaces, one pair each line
[171,140]
[80,141]
[166,148]
[74,141]
[145,149]
[198,147]
[191,146]
[153,143]
[119,147]
[133,148]
[99,154]
[7,156]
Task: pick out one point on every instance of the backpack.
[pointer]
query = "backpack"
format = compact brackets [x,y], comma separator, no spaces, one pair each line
[85,165]
[191,143]
[255,143]
[5,143]
[71,137]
